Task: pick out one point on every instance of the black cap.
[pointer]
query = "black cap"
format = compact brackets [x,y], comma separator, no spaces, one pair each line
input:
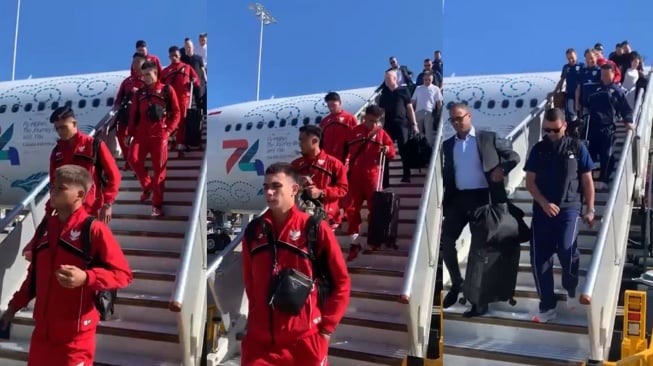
[141,43]
[598,46]
[62,112]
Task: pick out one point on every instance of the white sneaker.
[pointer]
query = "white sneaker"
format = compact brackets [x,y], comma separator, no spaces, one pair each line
[545,317]
[571,302]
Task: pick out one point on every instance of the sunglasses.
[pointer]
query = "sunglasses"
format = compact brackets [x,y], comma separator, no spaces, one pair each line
[551,130]
[458,119]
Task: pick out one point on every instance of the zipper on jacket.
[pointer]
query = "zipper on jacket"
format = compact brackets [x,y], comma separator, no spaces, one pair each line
[81,302]
[47,297]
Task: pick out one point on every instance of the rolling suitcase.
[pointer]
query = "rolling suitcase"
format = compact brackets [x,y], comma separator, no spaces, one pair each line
[384,217]
[491,274]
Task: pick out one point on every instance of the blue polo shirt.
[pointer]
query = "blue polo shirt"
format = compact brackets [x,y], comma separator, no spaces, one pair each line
[559,186]
[571,74]
[589,78]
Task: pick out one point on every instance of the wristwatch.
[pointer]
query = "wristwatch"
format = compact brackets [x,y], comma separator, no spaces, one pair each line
[106,206]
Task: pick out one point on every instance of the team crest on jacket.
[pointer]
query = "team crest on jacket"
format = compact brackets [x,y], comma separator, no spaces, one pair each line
[74,234]
[81,148]
[341,119]
[294,235]
[321,161]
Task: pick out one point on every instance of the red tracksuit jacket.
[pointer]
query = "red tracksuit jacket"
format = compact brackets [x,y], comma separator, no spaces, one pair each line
[141,125]
[335,128]
[127,86]
[178,76]
[79,151]
[67,312]
[328,174]
[266,325]
[367,161]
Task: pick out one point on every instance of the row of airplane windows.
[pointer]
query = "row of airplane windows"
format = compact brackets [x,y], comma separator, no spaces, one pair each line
[519,103]
[95,103]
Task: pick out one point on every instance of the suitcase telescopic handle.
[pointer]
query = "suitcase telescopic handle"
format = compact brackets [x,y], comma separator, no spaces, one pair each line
[379,181]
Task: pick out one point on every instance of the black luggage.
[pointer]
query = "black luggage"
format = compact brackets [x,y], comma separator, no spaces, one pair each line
[491,274]
[194,127]
[419,151]
[384,217]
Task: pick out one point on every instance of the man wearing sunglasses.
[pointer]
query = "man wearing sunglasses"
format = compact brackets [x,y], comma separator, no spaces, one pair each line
[558,176]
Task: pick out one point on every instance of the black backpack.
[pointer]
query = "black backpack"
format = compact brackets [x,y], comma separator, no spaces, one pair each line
[104,299]
[320,265]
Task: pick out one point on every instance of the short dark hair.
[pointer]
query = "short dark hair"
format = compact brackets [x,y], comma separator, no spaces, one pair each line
[173,49]
[61,113]
[139,55]
[374,110]
[141,43]
[313,130]
[427,60]
[554,114]
[460,105]
[332,97]
[570,50]
[607,66]
[283,167]
[148,65]
[203,35]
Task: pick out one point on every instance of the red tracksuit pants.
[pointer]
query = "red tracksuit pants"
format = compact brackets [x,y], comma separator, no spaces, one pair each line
[180,134]
[308,351]
[157,148]
[121,135]
[45,351]
[359,190]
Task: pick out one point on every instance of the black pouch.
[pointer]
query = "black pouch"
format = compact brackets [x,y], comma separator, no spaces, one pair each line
[155,112]
[104,303]
[289,291]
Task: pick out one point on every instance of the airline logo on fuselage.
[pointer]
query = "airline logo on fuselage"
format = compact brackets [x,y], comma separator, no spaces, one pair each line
[243,155]
[8,153]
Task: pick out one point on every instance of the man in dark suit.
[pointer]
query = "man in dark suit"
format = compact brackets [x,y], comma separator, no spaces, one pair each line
[475,164]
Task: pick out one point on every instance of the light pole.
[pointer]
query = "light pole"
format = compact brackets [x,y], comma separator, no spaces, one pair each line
[13,64]
[266,19]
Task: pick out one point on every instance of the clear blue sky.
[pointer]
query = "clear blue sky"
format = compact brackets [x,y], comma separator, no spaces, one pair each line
[520,37]
[316,45]
[80,36]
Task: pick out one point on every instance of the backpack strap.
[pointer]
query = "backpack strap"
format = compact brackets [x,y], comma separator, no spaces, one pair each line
[40,230]
[250,230]
[99,171]
[312,229]
[86,240]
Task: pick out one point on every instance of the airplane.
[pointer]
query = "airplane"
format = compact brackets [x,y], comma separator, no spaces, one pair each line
[25,130]
[247,137]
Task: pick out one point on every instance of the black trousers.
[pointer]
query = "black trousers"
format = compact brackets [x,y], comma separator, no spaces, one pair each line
[399,134]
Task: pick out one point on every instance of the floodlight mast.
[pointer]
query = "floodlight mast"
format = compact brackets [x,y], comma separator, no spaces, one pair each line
[266,19]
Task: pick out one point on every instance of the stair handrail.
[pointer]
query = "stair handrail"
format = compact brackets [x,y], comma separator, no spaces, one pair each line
[607,263]
[641,146]
[29,202]
[188,299]
[418,289]
[371,100]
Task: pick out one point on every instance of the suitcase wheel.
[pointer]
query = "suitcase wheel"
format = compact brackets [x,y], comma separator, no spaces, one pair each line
[512,302]
[462,301]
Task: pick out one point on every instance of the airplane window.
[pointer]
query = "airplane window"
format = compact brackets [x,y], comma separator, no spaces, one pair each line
[282,123]
[249,126]
[490,104]
[318,119]
[519,103]
[238,126]
[41,106]
[55,105]
[533,103]
[3,108]
[477,104]
[505,103]
[450,104]
[294,122]
[306,121]
[227,128]
[28,107]
[96,102]
[15,108]
[81,104]
[260,125]
[69,104]
[271,124]
[110,101]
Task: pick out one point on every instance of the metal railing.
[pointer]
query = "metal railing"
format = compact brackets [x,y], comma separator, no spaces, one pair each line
[640,149]
[419,280]
[189,299]
[371,100]
[601,289]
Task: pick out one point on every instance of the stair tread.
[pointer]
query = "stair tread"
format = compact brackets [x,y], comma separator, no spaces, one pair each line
[366,347]
[375,290]
[394,319]
[126,294]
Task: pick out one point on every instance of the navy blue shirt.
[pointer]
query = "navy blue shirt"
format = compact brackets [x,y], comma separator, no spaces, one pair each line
[571,74]
[547,161]
[588,79]
[605,102]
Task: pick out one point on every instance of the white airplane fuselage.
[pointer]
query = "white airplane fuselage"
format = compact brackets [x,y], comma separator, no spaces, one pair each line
[26,134]
[243,139]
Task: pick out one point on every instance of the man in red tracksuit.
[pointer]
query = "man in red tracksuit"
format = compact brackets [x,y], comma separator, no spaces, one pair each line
[153,117]
[324,175]
[275,337]
[127,89]
[141,47]
[365,144]
[64,314]
[75,147]
[180,76]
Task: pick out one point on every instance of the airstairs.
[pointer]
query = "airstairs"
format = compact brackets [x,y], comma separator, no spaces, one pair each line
[160,316]
[389,310]
[507,335]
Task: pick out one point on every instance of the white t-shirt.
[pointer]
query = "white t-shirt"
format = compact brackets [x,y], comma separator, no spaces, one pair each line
[426,97]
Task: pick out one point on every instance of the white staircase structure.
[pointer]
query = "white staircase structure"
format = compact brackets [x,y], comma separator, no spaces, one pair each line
[506,334]
[160,316]
[389,313]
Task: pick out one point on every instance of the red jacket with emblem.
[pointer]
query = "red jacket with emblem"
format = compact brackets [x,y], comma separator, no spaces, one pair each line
[328,174]
[141,125]
[335,128]
[267,325]
[155,59]
[127,89]
[79,151]
[365,146]
[67,312]
[178,75]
